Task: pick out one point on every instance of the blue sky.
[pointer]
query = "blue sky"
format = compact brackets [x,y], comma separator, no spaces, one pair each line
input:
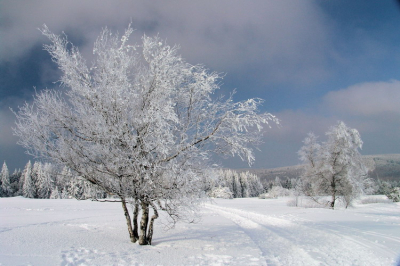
[313,61]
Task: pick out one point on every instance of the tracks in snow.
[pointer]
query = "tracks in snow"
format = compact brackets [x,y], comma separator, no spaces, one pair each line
[283,242]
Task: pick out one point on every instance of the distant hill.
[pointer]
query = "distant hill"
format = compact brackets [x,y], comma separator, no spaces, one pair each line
[384,167]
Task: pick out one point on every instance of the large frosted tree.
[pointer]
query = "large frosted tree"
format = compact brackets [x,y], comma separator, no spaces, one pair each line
[335,167]
[139,122]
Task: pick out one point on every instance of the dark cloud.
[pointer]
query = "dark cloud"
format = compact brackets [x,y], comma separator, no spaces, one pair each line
[288,38]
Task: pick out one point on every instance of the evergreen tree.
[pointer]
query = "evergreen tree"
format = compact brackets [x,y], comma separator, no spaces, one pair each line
[28,189]
[5,181]
[36,170]
[15,180]
[44,181]
[64,194]
[76,188]
[55,194]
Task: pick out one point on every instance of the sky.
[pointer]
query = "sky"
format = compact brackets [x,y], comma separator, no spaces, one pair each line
[314,62]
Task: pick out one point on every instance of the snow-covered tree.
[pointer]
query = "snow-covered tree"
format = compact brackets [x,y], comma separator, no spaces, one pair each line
[36,172]
[76,188]
[221,192]
[277,182]
[15,181]
[334,167]
[55,194]
[394,194]
[5,181]
[254,186]
[140,123]
[28,189]
[44,182]
[383,187]
[241,185]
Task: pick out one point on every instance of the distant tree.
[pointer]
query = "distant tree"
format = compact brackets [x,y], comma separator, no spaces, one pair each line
[5,181]
[383,187]
[15,180]
[334,167]
[64,194]
[35,173]
[64,181]
[241,185]
[394,194]
[277,182]
[76,188]
[28,189]
[55,194]
[254,186]
[287,184]
[221,192]
[44,181]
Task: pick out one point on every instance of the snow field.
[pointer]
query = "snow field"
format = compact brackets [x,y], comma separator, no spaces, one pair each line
[231,232]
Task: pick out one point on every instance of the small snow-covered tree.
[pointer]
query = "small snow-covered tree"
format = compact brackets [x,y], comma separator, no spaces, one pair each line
[277,182]
[15,181]
[254,186]
[334,167]
[5,181]
[394,194]
[383,187]
[140,123]
[76,188]
[28,190]
[55,194]
[36,172]
[44,181]
[221,192]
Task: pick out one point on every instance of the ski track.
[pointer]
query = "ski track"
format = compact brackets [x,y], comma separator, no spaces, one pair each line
[299,244]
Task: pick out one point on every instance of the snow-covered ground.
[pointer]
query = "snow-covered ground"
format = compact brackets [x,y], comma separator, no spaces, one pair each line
[231,232]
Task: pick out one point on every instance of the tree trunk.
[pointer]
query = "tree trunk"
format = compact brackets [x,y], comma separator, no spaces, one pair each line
[333,186]
[128,221]
[333,200]
[135,220]
[151,225]
[143,223]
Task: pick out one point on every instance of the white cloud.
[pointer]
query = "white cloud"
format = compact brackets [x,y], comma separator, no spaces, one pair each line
[366,99]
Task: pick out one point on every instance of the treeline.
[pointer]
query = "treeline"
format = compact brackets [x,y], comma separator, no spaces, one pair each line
[45,181]
[231,184]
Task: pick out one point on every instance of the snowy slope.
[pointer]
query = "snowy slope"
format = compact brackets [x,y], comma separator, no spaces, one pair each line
[231,232]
